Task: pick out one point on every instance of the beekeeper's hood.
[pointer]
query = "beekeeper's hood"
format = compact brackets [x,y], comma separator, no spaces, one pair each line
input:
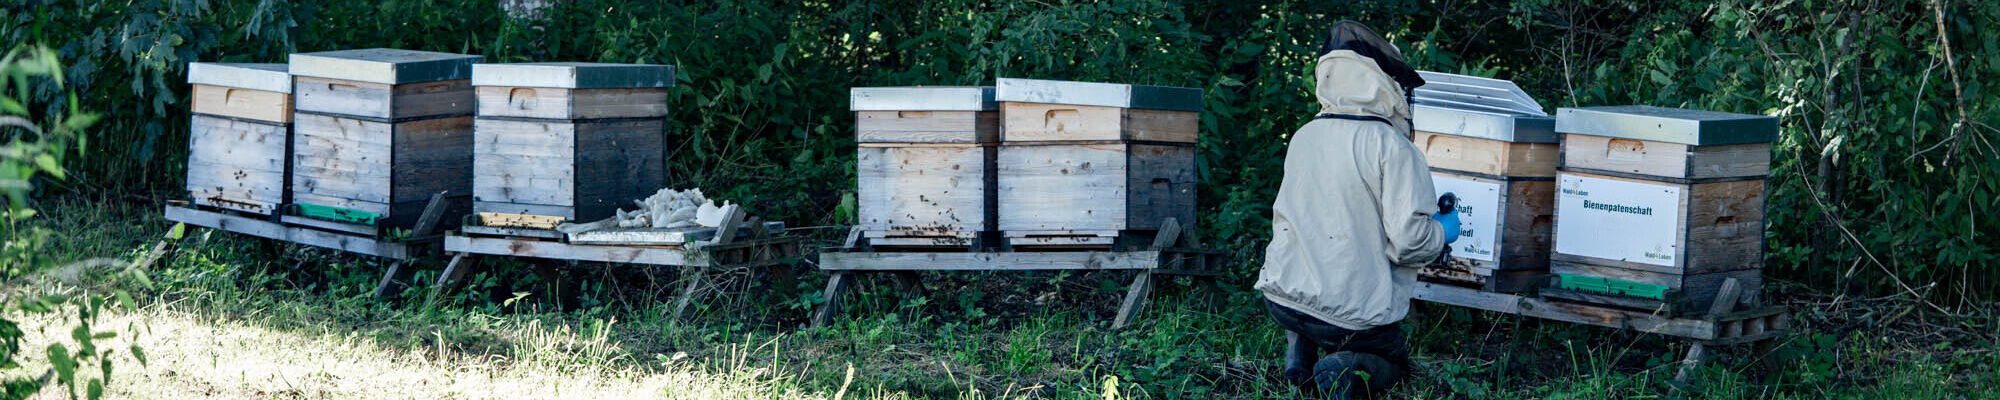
[1361,74]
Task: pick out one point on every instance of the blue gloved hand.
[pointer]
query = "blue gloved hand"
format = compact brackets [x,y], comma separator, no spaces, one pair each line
[1447,216]
[1450,222]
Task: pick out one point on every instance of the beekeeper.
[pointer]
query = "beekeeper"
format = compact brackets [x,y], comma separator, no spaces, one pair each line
[1355,217]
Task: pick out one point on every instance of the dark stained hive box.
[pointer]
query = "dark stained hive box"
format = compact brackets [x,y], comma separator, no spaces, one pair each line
[382,131]
[1083,164]
[569,140]
[1665,197]
[1489,143]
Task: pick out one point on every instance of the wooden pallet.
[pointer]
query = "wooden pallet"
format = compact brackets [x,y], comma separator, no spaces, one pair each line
[1724,324]
[1164,257]
[724,251]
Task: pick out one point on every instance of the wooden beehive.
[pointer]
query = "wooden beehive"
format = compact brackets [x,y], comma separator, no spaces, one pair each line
[1664,197]
[925,165]
[382,130]
[240,136]
[570,140]
[1085,164]
[1489,143]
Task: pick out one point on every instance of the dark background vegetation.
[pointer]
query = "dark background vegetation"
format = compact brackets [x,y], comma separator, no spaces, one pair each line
[1882,182]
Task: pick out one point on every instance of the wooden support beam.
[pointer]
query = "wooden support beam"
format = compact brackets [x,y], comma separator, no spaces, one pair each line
[433,213]
[835,286]
[363,245]
[698,276]
[1009,261]
[1725,300]
[388,279]
[1135,298]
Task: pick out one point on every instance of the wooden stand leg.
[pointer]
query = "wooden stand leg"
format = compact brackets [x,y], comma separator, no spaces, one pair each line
[1142,286]
[456,270]
[1725,300]
[388,278]
[697,278]
[1135,299]
[835,286]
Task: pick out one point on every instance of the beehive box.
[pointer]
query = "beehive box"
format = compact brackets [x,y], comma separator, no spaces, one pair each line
[1686,212]
[1506,228]
[569,140]
[382,130]
[920,114]
[240,136]
[926,165]
[1086,164]
[1488,142]
[1042,110]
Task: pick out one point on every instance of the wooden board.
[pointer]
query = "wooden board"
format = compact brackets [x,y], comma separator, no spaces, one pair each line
[660,236]
[578,170]
[243,103]
[1488,156]
[1094,186]
[936,190]
[385,168]
[306,236]
[1667,160]
[560,251]
[1035,122]
[558,103]
[237,164]
[383,101]
[926,126]
[1006,261]
[1719,226]
[1691,328]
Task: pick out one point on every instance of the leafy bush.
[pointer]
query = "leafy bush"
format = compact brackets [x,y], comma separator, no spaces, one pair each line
[1881,169]
[35,144]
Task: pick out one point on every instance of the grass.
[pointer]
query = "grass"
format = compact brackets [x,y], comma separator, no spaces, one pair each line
[232,317]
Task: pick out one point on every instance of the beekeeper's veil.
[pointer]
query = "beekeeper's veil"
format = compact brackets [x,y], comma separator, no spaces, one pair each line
[1360,74]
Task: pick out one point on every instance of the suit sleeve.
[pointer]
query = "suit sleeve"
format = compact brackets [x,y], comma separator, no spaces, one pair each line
[1408,200]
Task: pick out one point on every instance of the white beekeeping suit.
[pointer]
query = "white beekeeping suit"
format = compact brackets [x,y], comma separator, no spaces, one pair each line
[1352,221]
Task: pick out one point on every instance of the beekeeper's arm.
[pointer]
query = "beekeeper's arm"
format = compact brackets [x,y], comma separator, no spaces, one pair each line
[1408,201]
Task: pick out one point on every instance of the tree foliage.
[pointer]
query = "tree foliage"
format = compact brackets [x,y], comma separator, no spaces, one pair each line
[1882,169]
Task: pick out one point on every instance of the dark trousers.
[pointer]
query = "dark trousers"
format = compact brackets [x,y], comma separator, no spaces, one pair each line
[1364,362]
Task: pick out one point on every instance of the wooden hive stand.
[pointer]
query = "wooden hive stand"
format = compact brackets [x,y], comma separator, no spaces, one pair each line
[703,251]
[1173,253]
[394,247]
[1725,323]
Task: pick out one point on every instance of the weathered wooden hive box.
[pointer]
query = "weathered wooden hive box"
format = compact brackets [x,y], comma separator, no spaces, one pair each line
[925,165]
[381,131]
[1490,143]
[1667,203]
[1083,164]
[239,141]
[569,140]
